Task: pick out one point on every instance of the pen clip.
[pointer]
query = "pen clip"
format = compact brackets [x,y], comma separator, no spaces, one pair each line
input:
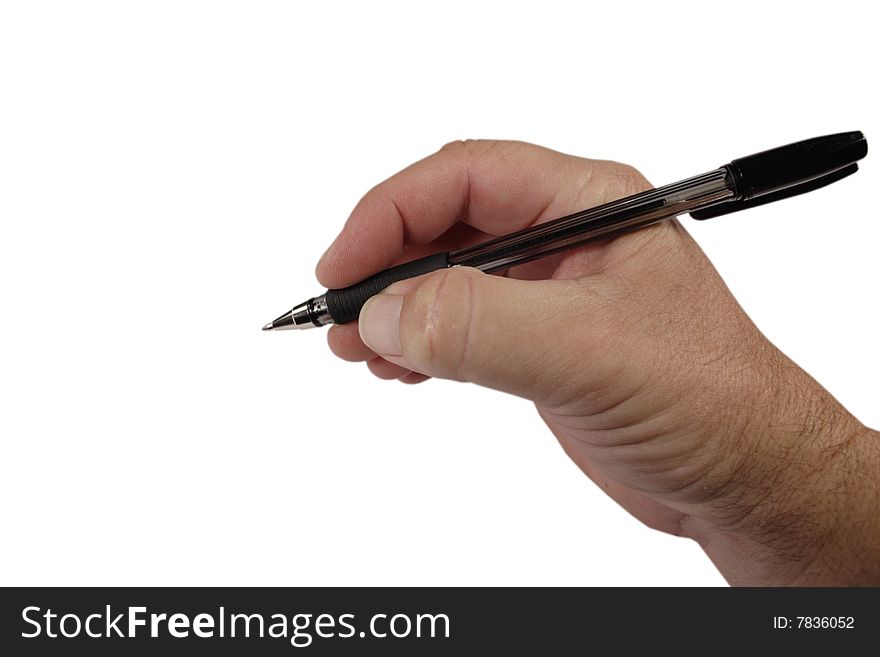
[789,171]
[795,190]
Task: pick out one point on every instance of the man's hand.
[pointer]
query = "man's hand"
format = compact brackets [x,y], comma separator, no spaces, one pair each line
[638,358]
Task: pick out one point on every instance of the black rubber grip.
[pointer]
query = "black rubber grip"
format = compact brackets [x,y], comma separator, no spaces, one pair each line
[345,305]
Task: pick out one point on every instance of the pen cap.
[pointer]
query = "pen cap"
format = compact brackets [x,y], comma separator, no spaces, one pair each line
[796,163]
[790,170]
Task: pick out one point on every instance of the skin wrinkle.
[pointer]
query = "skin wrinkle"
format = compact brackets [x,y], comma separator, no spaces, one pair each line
[685,485]
[407,236]
[552,199]
[716,469]
[431,319]
[633,394]
[587,424]
[539,218]
[587,180]
[703,470]
[468,329]
[608,482]
[466,201]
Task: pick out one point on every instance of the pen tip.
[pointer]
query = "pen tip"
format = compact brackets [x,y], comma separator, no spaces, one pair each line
[268,327]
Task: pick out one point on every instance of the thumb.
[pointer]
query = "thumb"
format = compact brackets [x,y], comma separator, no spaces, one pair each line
[529,338]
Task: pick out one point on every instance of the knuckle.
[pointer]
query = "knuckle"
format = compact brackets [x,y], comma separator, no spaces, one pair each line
[470,146]
[455,144]
[616,180]
[435,323]
[632,179]
[625,169]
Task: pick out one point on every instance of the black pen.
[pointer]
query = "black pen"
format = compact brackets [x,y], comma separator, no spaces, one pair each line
[744,183]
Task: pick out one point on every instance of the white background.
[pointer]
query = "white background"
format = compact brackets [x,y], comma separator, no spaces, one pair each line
[170,173]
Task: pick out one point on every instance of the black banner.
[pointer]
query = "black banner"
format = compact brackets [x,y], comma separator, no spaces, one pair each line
[419,621]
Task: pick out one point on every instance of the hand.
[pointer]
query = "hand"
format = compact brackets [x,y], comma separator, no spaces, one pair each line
[640,361]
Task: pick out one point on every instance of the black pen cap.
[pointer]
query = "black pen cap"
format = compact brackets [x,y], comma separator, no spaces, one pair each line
[778,168]
[789,171]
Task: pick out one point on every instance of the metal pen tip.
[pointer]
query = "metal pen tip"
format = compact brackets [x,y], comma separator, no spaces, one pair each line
[300,317]
[280,323]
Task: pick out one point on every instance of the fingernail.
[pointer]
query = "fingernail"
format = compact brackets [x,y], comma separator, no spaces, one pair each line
[379,324]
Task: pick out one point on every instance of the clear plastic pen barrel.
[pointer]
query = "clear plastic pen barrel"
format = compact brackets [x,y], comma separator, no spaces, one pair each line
[597,223]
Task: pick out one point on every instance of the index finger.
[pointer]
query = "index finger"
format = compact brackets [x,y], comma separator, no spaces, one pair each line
[495,186]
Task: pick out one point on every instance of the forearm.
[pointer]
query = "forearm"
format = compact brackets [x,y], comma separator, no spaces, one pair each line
[804,508]
[848,547]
